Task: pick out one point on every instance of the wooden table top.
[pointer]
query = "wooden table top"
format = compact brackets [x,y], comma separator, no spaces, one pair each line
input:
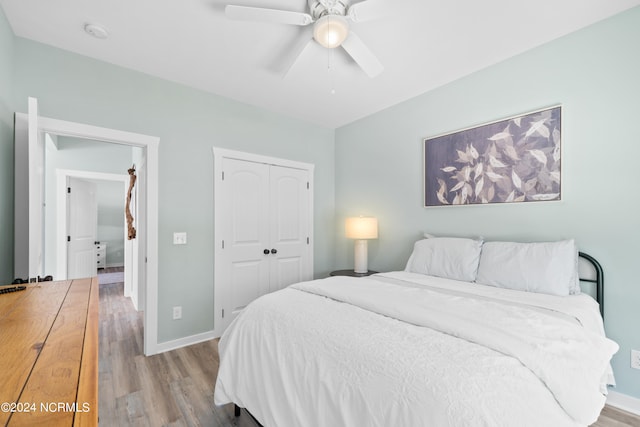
[49,354]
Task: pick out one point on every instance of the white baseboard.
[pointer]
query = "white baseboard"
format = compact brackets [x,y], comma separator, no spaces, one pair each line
[117,264]
[184,342]
[624,402]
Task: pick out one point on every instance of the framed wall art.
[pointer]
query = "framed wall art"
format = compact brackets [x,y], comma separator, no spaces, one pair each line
[517,159]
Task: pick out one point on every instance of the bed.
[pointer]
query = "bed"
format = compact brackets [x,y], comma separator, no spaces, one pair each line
[470,333]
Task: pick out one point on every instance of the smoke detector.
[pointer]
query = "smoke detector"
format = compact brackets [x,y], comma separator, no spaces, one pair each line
[96,30]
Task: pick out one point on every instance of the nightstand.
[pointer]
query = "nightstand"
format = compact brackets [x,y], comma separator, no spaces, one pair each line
[352,273]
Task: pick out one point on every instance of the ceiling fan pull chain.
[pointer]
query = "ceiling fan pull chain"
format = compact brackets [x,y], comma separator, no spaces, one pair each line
[332,89]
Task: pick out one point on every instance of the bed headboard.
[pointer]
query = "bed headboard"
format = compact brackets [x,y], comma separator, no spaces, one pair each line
[596,275]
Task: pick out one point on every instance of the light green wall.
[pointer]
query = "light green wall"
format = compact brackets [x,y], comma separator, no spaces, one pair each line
[6,150]
[595,75]
[188,122]
[111,203]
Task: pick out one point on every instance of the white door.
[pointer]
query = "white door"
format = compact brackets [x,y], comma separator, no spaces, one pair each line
[36,191]
[245,192]
[82,228]
[288,226]
[263,229]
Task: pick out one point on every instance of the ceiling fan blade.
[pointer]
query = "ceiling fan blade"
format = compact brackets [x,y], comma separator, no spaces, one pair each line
[362,55]
[273,16]
[296,54]
[369,9]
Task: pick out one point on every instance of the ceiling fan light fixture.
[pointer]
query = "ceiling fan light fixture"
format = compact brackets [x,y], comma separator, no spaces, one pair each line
[331,30]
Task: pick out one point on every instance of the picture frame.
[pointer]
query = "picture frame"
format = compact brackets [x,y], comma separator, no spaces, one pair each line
[512,160]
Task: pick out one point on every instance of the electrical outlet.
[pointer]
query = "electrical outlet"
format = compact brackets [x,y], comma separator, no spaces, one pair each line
[635,359]
[177,312]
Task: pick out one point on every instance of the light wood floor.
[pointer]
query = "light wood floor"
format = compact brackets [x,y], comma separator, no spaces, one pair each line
[176,388]
[169,389]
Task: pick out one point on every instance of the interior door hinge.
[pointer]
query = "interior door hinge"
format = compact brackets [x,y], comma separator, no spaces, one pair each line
[69,190]
[223,244]
[223,175]
[68,238]
[307,240]
[307,185]
[223,313]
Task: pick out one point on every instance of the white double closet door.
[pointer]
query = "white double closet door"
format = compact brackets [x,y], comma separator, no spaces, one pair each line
[265,227]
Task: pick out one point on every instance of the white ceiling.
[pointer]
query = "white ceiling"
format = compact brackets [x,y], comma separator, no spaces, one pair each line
[422,44]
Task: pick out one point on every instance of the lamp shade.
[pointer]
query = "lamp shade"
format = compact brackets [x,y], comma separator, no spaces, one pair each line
[361,228]
[331,30]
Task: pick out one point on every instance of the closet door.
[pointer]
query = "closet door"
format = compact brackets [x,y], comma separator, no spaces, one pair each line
[263,223]
[289,226]
[245,194]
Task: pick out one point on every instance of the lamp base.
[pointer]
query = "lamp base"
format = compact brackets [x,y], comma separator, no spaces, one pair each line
[360,256]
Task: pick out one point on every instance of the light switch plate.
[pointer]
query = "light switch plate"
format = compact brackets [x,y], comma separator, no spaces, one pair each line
[180,238]
[177,312]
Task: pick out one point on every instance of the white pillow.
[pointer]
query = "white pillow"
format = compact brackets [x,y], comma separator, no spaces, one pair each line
[547,268]
[448,257]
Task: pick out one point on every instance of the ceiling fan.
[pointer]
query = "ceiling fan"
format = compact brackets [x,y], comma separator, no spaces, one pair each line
[330,19]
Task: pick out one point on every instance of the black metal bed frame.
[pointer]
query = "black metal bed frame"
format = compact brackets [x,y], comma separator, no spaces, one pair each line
[236,413]
[599,280]
[599,285]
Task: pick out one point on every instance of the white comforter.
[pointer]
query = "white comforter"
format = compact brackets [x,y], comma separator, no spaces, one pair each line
[402,349]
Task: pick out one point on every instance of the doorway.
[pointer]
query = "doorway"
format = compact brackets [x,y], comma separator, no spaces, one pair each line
[29,155]
[120,257]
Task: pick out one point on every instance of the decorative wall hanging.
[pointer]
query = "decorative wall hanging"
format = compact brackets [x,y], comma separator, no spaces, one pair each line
[131,230]
[512,160]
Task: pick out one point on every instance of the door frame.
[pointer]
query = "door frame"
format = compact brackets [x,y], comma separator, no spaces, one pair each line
[149,251]
[62,175]
[218,155]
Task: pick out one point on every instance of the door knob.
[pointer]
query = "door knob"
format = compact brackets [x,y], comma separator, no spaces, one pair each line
[266,252]
[274,251]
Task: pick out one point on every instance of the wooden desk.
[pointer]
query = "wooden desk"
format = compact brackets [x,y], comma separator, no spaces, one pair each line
[49,354]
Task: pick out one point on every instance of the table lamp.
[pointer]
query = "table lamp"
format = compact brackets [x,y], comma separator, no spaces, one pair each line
[361,228]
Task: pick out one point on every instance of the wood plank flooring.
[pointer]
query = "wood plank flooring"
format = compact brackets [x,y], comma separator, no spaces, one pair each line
[169,389]
[176,388]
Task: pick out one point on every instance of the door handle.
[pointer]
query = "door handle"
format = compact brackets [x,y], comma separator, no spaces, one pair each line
[274,251]
[266,252]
